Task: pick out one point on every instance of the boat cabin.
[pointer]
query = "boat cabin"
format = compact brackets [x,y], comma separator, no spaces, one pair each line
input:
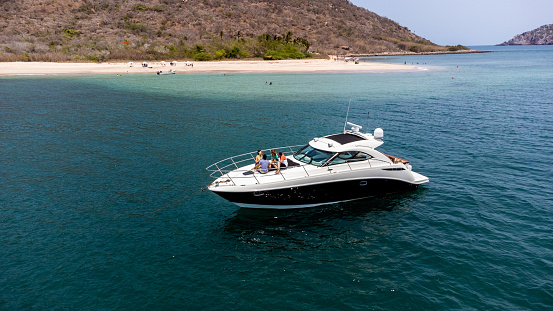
[341,148]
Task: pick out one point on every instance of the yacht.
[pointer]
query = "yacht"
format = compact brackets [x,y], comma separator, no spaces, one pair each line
[330,169]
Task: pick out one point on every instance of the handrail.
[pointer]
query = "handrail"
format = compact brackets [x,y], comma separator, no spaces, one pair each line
[230,164]
[222,166]
[303,165]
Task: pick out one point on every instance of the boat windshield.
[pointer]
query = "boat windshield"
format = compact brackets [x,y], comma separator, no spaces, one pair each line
[349,156]
[310,155]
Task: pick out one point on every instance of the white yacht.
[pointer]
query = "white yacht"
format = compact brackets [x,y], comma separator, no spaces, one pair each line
[330,169]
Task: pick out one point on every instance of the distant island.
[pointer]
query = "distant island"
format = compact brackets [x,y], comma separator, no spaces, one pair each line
[110,30]
[539,36]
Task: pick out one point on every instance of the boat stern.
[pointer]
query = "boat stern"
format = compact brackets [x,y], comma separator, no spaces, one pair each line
[419,179]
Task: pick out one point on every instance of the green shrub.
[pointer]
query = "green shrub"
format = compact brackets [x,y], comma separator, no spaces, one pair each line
[278,55]
[277,47]
[53,45]
[156,8]
[415,48]
[235,52]
[26,57]
[285,51]
[137,26]
[273,55]
[140,7]
[202,56]
[220,54]
[457,48]
[71,32]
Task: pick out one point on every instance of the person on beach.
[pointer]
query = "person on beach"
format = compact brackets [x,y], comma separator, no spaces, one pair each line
[281,163]
[263,165]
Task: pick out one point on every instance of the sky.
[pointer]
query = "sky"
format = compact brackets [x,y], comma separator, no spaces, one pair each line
[465,22]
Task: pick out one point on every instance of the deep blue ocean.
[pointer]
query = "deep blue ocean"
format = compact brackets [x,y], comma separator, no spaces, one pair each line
[100,209]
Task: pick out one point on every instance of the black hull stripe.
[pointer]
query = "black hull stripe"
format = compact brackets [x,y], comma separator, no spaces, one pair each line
[320,194]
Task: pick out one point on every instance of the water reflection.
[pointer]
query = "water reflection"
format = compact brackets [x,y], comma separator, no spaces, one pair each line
[328,226]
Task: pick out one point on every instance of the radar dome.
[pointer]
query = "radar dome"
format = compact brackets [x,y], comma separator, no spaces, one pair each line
[378,133]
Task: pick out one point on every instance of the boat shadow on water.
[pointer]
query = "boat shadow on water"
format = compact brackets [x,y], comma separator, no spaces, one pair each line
[382,212]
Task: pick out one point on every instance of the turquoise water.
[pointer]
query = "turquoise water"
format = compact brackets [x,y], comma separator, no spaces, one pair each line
[99,174]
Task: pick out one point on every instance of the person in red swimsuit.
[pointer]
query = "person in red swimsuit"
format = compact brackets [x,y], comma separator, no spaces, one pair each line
[282,162]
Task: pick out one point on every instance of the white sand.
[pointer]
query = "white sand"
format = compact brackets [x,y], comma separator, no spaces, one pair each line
[245,66]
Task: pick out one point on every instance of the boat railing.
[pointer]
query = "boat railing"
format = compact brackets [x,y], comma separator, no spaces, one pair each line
[233,163]
[227,165]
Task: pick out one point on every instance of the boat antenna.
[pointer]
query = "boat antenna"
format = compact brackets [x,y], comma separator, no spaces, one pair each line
[347,115]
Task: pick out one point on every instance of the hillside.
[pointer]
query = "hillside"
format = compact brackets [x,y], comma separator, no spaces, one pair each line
[68,30]
[539,36]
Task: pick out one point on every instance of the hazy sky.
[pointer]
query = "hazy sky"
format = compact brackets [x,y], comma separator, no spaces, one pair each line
[466,22]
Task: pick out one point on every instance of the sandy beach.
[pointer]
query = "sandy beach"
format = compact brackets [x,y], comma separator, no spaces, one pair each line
[244,66]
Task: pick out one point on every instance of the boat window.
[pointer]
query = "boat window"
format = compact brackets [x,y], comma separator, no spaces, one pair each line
[349,156]
[360,156]
[310,155]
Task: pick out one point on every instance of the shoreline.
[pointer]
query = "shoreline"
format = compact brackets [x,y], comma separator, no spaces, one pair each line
[418,53]
[237,66]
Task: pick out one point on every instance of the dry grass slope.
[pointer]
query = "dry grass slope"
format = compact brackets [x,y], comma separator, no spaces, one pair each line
[101,30]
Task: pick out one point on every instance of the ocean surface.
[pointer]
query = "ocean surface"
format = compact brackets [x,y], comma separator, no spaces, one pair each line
[100,207]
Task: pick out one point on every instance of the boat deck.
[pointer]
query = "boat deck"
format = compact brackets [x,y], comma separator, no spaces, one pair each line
[224,166]
[233,175]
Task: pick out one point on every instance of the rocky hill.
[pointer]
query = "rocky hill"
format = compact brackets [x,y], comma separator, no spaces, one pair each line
[539,36]
[100,30]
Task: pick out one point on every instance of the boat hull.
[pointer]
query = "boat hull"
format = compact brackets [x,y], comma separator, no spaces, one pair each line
[315,195]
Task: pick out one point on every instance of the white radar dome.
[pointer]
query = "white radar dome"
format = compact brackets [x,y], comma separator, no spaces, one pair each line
[378,133]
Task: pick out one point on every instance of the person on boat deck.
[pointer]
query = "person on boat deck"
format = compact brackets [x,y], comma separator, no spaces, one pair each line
[258,158]
[282,162]
[274,158]
[263,165]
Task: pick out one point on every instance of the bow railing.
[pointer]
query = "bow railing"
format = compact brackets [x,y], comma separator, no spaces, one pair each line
[224,166]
